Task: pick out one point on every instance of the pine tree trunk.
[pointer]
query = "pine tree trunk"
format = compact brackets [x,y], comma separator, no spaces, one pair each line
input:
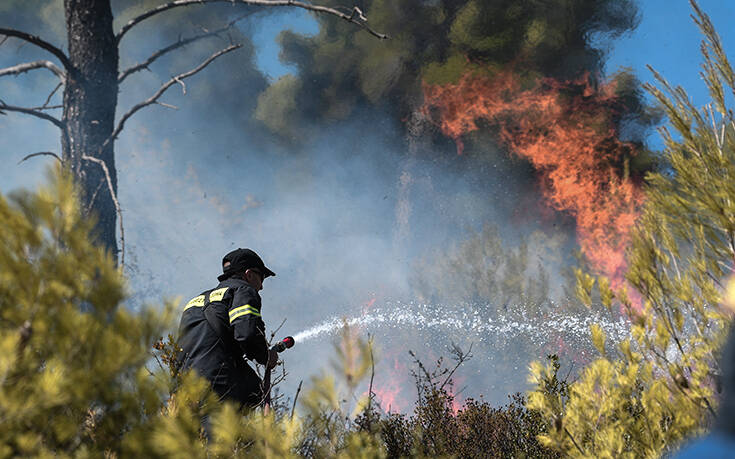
[90,99]
[417,127]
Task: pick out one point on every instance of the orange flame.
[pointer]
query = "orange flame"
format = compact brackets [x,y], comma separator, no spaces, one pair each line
[387,397]
[388,391]
[457,401]
[569,139]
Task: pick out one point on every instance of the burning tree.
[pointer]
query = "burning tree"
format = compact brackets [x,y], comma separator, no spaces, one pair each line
[538,73]
[661,386]
[90,76]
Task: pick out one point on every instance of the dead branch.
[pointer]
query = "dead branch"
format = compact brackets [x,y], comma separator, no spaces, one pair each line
[280,378]
[164,104]
[28,66]
[178,44]
[274,332]
[48,99]
[420,365]
[33,112]
[92,199]
[355,17]
[33,39]
[183,85]
[296,397]
[117,205]
[460,358]
[575,442]
[154,98]
[48,107]
[42,153]
[372,376]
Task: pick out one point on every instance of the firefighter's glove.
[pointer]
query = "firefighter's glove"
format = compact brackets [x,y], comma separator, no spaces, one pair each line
[272,358]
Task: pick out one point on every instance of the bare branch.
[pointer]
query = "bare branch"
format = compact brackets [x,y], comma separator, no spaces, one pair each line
[32,112]
[115,201]
[47,107]
[460,358]
[164,104]
[178,44]
[183,85]
[22,68]
[48,99]
[575,442]
[296,397]
[372,377]
[356,17]
[41,153]
[154,98]
[41,44]
[92,199]
[274,332]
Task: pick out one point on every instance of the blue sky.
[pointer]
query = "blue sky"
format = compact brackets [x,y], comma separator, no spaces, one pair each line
[267,29]
[666,38]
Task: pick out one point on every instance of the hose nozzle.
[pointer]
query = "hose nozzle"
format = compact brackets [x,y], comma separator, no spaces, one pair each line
[286,343]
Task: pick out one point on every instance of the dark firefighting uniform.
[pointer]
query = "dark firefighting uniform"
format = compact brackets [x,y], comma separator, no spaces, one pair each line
[217,358]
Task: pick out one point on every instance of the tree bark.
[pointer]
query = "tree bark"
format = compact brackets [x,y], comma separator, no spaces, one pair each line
[90,100]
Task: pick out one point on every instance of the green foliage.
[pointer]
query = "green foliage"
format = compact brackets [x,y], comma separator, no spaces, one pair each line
[72,375]
[276,105]
[659,388]
[342,67]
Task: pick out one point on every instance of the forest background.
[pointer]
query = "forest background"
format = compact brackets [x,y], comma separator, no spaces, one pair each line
[318,188]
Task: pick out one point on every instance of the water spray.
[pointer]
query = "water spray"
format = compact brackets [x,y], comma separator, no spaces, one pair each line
[498,329]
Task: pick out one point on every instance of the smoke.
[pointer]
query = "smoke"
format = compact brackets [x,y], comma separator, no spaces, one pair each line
[570,140]
[319,202]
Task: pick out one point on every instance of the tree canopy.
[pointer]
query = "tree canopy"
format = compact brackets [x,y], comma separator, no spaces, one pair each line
[436,42]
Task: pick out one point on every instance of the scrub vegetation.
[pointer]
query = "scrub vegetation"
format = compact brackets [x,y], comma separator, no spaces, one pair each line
[79,378]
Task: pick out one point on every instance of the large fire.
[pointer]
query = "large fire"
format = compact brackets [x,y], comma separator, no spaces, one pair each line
[566,131]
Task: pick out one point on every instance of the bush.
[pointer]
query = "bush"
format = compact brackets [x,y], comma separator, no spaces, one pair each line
[439,428]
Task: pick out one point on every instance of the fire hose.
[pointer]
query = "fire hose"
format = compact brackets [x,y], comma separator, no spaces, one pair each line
[286,343]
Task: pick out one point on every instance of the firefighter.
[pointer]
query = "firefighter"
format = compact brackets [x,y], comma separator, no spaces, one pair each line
[222,327]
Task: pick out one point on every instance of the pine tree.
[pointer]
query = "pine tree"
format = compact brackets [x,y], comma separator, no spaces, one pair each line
[72,367]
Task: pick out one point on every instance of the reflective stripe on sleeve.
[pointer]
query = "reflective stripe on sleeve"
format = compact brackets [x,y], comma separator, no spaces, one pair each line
[198,302]
[243,310]
[218,294]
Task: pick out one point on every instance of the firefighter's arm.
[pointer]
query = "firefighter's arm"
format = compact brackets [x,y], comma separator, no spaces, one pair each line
[247,325]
